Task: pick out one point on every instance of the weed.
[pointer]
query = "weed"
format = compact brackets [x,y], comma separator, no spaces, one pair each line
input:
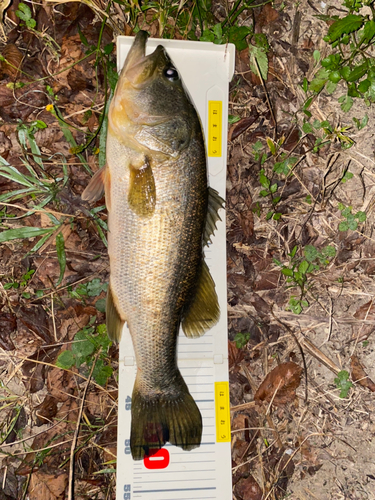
[241,339]
[297,272]
[257,152]
[328,132]
[343,383]
[90,289]
[269,190]
[351,61]
[351,220]
[23,283]
[233,119]
[87,342]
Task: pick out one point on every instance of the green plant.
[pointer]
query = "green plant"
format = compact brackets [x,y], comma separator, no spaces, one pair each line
[92,288]
[24,13]
[269,190]
[233,119]
[328,132]
[257,152]
[352,61]
[23,283]
[343,383]
[241,339]
[297,272]
[87,342]
[352,220]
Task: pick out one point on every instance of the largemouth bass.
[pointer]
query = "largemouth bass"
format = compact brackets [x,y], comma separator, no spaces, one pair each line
[161,213]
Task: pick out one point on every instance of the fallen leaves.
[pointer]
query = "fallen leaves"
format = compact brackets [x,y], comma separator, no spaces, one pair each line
[46,486]
[280,384]
[359,375]
[248,489]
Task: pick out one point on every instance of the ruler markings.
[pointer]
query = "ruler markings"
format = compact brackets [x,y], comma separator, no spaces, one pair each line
[180,480]
[175,489]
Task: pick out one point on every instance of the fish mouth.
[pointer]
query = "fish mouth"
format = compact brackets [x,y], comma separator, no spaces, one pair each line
[138,67]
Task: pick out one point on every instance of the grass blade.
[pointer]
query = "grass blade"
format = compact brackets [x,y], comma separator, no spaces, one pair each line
[61,255]
[23,232]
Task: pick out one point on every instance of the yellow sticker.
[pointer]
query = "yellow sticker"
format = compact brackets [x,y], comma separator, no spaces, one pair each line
[222,412]
[214,127]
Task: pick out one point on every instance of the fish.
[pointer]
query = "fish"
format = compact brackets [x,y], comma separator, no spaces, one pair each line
[161,215]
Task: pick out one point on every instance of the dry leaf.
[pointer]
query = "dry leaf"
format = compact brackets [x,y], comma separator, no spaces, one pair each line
[248,489]
[44,486]
[359,375]
[235,355]
[13,59]
[46,410]
[241,126]
[8,324]
[280,384]
[366,311]
[60,383]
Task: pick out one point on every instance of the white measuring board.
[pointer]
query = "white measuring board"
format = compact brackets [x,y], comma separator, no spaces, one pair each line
[205,472]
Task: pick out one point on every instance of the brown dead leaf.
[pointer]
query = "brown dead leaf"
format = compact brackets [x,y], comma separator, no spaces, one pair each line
[280,468]
[13,59]
[14,105]
[366,311]
[61,433]
[8,324]
[46,410]
[239,449]
[235,355]
[241,126]
[5,146]
[359,375]
[45,486]
[267,15]
[60,383]
[280,384]
[72,321]
[248,489]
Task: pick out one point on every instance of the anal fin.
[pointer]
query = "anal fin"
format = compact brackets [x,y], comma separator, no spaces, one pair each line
[113,319]
[203,311]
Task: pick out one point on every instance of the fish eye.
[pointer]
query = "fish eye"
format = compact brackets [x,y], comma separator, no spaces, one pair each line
[172,74]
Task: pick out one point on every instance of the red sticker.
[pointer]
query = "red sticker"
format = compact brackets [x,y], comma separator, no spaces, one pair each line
[158,460]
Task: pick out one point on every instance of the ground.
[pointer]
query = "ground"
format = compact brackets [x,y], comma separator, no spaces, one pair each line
[300,268]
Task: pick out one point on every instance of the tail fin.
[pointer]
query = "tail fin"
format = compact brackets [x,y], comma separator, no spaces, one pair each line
[157,419]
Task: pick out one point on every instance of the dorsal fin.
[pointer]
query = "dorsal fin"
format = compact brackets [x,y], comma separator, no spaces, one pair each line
[215,202]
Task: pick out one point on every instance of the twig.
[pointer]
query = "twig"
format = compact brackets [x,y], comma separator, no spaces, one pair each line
[319,355]
[267,97]
[76,432]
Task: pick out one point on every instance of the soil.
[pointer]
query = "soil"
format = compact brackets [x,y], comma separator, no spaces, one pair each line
[294,435]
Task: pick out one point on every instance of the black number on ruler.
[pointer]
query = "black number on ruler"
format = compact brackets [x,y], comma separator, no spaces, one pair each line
[127,496]
[128,403]
[127,446]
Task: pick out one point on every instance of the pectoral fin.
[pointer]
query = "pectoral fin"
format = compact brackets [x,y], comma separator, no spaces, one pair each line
[113,319]
[215,202]
[142,192]
[203,311]
[95,188]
